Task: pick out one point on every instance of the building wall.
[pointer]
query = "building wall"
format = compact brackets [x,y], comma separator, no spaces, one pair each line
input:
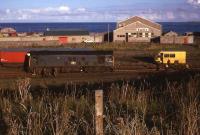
[5,44]
[137,32]
[21,39]
[197,40]
[78,39]
[51,38]
[70,39]
[167,39]
[176,39]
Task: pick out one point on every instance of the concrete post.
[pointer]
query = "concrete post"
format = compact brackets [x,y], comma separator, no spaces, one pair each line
[99,111]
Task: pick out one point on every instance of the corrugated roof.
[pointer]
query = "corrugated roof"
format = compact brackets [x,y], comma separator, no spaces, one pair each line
[142,20]
[68,32]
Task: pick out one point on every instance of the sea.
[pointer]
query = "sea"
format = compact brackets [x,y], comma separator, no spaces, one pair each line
[98,27]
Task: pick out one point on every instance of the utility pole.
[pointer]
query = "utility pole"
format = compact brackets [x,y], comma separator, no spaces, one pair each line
[108,33]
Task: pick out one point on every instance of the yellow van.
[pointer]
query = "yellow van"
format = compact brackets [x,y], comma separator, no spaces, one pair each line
[171,58]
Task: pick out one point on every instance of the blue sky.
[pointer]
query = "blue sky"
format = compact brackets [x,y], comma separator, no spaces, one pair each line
[98,10]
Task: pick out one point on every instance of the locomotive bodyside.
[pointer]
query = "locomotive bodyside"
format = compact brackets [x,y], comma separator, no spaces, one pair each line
[53,62]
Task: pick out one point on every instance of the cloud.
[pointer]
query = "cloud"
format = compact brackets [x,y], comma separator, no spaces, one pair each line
[66,14]
[170,15]
[7,11]
[81,9]
[194,2]
[48,10]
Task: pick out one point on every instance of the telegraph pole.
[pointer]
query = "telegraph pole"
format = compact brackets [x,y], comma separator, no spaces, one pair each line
[108,33]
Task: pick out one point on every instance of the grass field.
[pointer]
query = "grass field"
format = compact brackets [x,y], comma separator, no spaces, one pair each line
[151,106]
[162,105]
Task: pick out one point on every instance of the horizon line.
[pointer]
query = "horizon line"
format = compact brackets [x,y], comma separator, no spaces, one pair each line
[103,22]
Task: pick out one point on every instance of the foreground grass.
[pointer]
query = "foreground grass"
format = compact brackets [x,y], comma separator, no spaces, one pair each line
[131,108]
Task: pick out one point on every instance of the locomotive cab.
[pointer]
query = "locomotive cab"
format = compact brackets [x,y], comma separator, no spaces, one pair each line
[27,62]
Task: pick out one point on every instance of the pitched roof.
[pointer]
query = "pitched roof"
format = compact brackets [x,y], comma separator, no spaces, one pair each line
[171,33]
[68,32]
[142,20]
[8,30]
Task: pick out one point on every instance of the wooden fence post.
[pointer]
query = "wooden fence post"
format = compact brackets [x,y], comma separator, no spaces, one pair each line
[99,111]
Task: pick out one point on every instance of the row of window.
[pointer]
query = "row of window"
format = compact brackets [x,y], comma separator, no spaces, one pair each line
[135,35]
[120,35]
[169,55]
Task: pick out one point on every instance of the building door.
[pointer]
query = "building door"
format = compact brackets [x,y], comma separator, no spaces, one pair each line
[63,40]
[126,37]
[185,40]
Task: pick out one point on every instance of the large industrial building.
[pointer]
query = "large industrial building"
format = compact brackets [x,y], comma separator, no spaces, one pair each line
[136,29]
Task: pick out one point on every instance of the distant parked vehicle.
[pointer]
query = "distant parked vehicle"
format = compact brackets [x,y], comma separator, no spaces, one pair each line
[171,58]
[88,41]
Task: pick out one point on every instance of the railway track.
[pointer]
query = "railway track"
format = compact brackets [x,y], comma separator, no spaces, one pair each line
[118,73]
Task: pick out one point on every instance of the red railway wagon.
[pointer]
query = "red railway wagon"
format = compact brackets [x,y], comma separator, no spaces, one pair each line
[12,57]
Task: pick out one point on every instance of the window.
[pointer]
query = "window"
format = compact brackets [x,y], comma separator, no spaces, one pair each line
[142,29]
[140,34]
[134,35]
[143,34]
[120,35]
[149,35]
[172,55]
[146,34]
[69,58]
[82,58]
[166,55]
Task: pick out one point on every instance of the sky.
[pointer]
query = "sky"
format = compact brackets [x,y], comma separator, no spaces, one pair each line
[98,10]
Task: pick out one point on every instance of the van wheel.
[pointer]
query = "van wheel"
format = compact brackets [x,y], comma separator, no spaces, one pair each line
[176,65]
[166,67]
[176,62]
